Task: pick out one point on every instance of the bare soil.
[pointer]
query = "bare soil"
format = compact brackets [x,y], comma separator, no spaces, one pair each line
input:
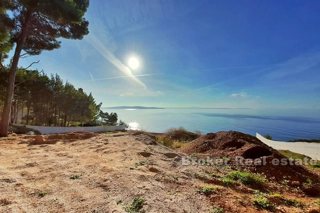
[105,172]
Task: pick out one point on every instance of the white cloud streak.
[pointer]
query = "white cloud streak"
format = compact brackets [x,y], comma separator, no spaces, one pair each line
[239,95]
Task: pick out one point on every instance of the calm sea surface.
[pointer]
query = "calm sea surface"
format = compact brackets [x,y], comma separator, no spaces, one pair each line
[281,125]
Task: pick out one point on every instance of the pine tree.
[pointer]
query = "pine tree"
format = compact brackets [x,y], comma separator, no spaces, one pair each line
[36,25]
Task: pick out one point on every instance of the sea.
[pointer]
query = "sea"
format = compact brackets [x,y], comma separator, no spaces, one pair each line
[280,124]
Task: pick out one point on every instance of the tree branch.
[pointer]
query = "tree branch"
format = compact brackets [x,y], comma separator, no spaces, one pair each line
[24,55]
[35,62]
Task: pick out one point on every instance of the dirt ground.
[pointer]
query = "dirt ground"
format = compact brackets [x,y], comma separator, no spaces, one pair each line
[106,172]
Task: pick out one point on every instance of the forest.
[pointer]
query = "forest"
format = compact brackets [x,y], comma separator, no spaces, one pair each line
[40,99]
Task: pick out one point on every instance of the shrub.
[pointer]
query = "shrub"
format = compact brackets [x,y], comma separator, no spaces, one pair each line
[176,138]
[181,134]
[317,165]
[208,189]
[165,141]
[276,195]
[288,202]
[292,202]
[41,193]
[136,205]
[293,155]
[75,177]
[261,202]
[267,136]
[228,181]
[247,178]
[217,209]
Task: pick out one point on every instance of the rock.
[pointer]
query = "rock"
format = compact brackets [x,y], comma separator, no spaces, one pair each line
[55,137]
[153,169]
[38,139]
[171,155]
[312,190]
[145,154]
[295,183]
[146,139]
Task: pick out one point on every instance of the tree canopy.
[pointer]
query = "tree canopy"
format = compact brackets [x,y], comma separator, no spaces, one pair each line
[31,26]
[108,118]
[47,100]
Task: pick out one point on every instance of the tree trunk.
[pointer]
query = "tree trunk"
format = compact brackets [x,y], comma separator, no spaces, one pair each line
[22,111]
[28,114]
[4,125]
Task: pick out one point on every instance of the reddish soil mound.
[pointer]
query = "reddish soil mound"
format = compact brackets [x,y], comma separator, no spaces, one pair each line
[232,144]
[229,144]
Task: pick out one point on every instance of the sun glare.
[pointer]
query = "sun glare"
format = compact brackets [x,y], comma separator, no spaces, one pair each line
[134,63]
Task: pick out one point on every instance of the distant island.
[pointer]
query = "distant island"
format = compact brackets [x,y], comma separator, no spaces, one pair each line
[132,107]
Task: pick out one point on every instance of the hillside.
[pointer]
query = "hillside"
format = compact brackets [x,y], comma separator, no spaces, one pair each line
[129,172]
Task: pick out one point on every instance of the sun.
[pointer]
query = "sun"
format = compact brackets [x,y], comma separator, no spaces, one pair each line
[134,62]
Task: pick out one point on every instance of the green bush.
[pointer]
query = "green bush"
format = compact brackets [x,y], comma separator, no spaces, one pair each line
[208,189]
[247,178]
[261,202]
[292,202]
[267,136]
[228,181]
[317,165]
[136,205]
[75,177]
[217,209]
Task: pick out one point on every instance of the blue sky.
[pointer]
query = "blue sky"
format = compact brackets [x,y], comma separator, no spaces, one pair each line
[203,53]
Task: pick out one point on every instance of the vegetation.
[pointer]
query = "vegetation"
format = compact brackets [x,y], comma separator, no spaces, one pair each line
[136,205]
[268,137]
[75,177]
[297,156]
[262,202]
[176,138]
[108,119]
[286,201]
[208,189]
[293,155]
[31,27]
[41,193]
[227,181]
[217,209]
[181,134]
[247,178]
[43,100]
[316,166]
[293,202]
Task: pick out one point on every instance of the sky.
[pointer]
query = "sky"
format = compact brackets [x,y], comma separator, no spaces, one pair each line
[195,53]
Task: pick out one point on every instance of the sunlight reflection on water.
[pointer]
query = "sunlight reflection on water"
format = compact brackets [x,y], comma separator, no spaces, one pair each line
[134,126]
[282,125]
